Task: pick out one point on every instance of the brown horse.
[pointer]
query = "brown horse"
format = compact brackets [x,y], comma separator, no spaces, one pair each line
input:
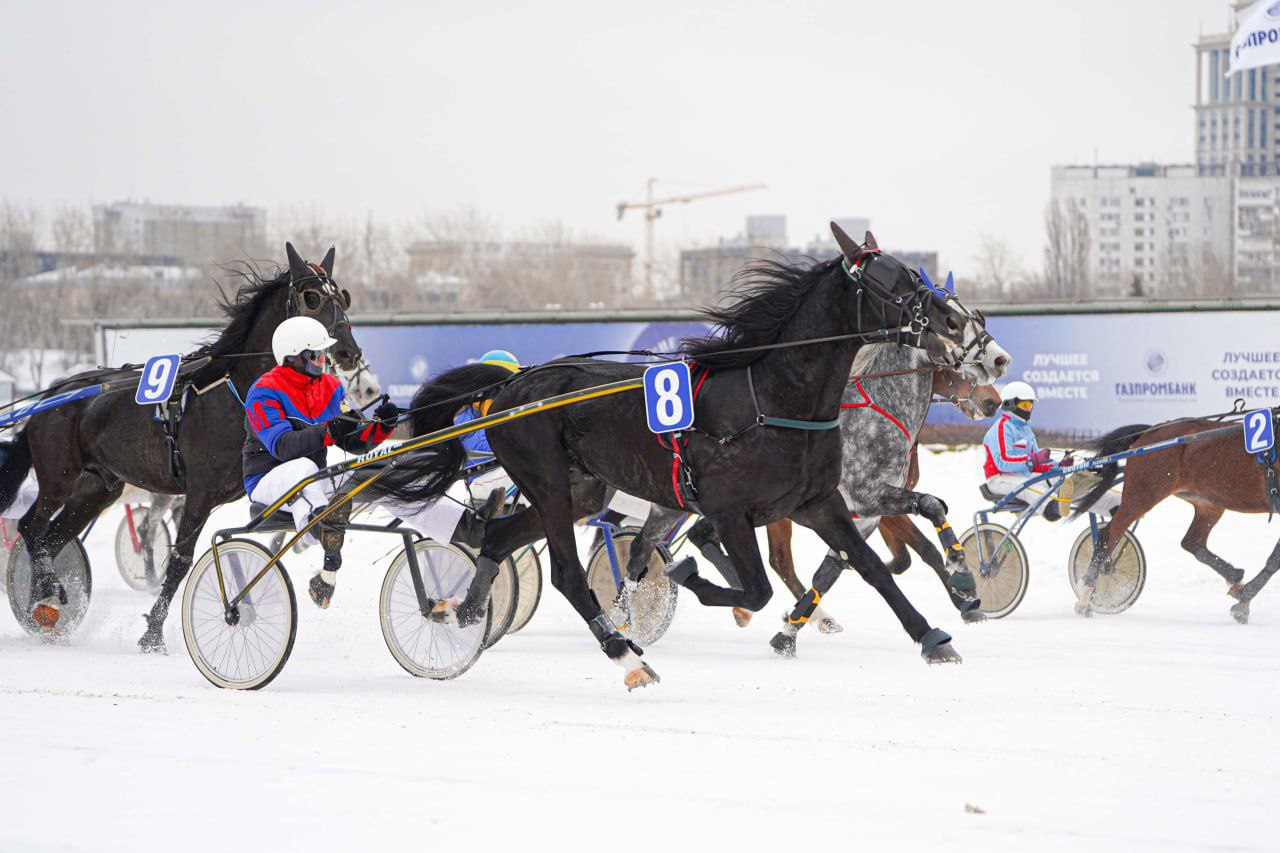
[1214,474]
[898,531]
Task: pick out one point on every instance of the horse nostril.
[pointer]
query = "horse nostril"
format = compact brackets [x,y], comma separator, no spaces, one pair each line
[1001,360]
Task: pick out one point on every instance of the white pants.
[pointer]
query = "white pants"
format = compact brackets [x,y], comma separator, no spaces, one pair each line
[1004,484]
[27,494]
[277,482]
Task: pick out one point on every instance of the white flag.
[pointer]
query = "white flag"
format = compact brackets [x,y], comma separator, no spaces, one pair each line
[1257,39]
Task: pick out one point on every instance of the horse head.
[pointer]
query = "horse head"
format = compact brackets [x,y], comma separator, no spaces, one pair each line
[976,402]
[926,315]
[313,293]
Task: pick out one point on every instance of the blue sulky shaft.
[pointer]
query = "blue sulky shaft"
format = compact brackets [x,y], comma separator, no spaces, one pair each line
[23,412]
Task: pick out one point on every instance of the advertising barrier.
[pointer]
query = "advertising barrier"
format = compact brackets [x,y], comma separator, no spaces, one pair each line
[1092,372]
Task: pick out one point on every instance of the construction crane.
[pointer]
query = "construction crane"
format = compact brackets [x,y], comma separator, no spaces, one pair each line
[652,208]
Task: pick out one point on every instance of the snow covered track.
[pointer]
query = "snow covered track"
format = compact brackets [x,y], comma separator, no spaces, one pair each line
[1151,730]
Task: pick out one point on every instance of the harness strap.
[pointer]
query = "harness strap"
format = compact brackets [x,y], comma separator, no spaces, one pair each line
[785,423]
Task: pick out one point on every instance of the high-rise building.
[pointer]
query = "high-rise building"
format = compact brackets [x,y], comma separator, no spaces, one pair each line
[1237,119]
[197,235]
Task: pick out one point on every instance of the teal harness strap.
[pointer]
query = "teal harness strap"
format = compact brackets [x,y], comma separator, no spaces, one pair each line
[785,423]
[788,423]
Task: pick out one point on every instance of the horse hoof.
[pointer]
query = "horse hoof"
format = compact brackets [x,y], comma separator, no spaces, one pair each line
[152,644]
[445,612]
[827,625]
[1240,612]
[1235,590]
[941,653]
[641,676]
[46,616]
[321,592]
[971,616]
[742,617]
[783,645]
[679,573]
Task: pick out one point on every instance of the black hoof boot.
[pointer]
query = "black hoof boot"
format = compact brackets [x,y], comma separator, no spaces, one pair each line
[321,591]
[935,647]
[681,572]
[783,645]
[469,614]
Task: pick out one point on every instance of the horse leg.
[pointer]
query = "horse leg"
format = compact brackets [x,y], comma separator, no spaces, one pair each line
[1136,501]
[91,494]
[656,525]
[1246,593]
[704,537]
[895,530]
[1196,542]
[739,539]
[892,500]
[830,520]
[783,563]
[194,514]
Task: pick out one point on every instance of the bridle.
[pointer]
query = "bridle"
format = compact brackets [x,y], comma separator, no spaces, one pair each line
[968,404]
[312,301]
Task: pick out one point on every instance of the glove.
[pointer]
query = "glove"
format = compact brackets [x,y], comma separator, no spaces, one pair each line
[355,436]
[1040,457]
[1066,461]
[387,413]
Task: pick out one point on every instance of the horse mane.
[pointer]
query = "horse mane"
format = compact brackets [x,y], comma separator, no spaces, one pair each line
[241,311]
[764,295]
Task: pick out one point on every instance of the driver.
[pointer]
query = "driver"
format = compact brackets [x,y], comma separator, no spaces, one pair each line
[1013,455]
[294,413]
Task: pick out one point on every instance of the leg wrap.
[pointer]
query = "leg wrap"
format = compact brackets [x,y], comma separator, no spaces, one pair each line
[804,607]
[719,559]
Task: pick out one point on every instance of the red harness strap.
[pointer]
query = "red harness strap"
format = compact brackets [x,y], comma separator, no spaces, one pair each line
[867,402]
[676,460]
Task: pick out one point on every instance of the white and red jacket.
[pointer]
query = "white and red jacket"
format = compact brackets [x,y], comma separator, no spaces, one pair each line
[1010,444]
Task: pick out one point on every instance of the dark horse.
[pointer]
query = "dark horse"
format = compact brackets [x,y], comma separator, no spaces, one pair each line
[747,472]
[85,452]
[1214,475]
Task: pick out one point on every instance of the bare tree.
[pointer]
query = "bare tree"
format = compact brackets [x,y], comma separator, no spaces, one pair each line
[1194,272]
[1066,255]
[997,266]
[72,229]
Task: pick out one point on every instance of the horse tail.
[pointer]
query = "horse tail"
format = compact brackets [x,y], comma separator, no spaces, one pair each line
[1116,441]
[16,456]
[424,475]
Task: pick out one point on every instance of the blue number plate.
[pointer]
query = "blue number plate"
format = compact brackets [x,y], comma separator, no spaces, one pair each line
[1259,432]
[668,397]
[158,376]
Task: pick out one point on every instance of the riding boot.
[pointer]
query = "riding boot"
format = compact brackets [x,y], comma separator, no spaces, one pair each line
[48,597]
[470,528]
[332,532]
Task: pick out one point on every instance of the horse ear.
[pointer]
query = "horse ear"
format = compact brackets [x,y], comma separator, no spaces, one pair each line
[327,263]
[950,285]
[870,242]
[848,248]
[297,267]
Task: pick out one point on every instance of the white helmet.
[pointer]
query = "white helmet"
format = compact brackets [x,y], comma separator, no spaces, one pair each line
[297,334]
[1017,391]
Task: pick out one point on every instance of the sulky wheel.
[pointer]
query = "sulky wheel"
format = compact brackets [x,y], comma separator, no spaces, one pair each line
[246,648]
[423,646]
[654,606]
[1002,582]
[72,568]
[132,552]
[504,600]
[1119,582]
[529,573]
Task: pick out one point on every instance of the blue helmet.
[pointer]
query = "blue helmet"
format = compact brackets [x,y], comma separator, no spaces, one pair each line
[501,358]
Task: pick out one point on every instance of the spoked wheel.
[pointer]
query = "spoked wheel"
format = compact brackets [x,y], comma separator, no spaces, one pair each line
[1119,582]
[529,573]
[654,606]
[503,602]
[246,649]
[424,647]
[72,568]
[8,538]
[131,550]
[1002,584]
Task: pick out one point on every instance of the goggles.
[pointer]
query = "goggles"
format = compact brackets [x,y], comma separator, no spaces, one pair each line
[1024,405]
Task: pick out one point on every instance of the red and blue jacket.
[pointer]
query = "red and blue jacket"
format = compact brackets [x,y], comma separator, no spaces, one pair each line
[285,415]
[1010,443]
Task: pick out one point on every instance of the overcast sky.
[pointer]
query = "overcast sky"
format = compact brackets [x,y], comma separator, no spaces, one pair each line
[938,120]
